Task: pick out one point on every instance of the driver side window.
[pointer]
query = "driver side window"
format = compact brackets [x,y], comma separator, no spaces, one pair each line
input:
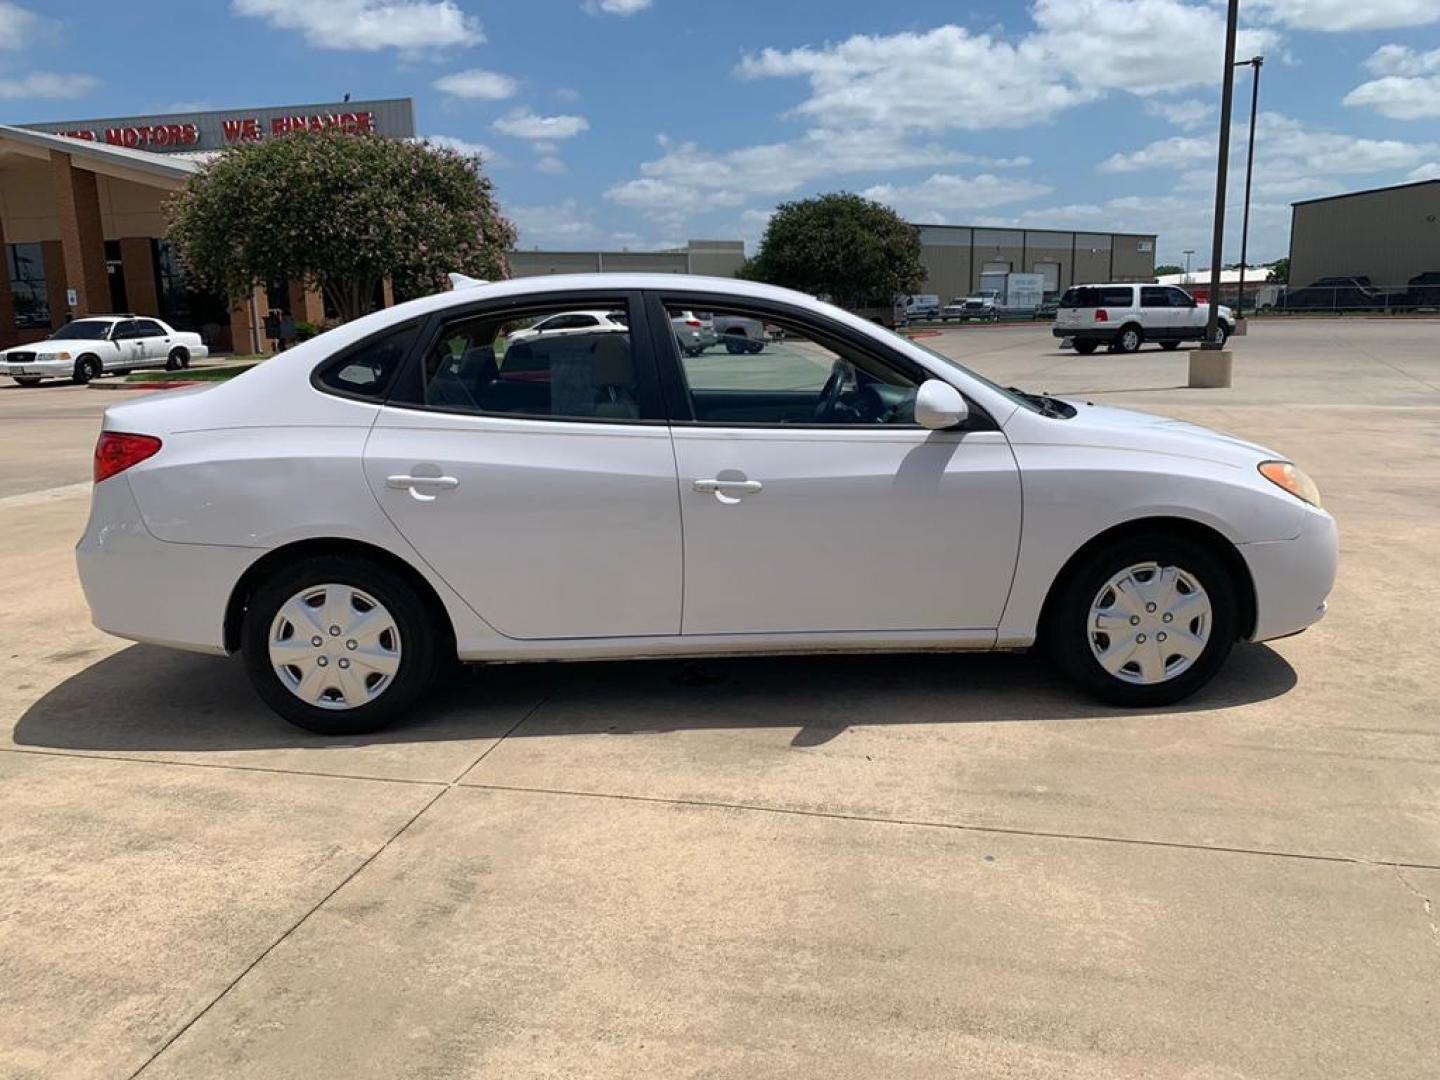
[740,368]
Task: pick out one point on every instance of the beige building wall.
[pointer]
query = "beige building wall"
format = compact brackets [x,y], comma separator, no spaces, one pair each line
[1134,258]
[1389,236]
[716,258]
[27,202]
[945,254]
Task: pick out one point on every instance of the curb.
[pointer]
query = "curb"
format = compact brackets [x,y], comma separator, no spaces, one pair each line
[154,385]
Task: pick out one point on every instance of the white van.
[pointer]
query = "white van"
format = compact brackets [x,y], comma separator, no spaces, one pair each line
[1125,316]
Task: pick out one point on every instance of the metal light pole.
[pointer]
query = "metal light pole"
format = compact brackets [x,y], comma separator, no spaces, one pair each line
[1227,98]
[1188,253]
[1254,63]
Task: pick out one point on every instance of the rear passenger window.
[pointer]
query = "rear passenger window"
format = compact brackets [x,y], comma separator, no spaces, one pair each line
[571,365]
[367,369]
[1154,296]
[1117,296]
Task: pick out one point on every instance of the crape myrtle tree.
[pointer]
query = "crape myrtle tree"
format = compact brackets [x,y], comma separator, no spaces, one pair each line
[848,249]
[340,213]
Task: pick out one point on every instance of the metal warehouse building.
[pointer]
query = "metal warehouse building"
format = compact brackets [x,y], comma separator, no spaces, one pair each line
[1389,235]
[715,258]
[956,255]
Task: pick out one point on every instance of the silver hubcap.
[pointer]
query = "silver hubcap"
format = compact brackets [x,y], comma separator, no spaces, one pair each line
[334,646]
[1149,623]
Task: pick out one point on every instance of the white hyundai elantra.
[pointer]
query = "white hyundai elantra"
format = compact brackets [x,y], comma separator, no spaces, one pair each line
[428,483]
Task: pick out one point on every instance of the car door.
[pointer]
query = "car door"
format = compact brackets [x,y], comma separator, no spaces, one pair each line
[1156,315]
[1189,318]
[128,349]
[811,500]
[536,476]
[154,340]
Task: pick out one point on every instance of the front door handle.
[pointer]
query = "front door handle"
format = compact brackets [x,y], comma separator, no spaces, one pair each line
[420,486]
[728,491]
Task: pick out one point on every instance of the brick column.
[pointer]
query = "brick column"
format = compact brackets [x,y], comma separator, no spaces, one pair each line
[241,339]
[53,255]
[9,333]
[137,260]
[81,236]
[306,304]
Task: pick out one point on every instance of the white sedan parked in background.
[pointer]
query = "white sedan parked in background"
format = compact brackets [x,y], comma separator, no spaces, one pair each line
[85,349]
[413,487]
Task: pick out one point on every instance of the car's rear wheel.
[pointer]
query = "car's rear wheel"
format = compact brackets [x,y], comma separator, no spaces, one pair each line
[1222,334]
[27,380]
[1085,348]
[1146,621]
[1129,339]
[87,369]
[339,645]
[177,359]
[736,342]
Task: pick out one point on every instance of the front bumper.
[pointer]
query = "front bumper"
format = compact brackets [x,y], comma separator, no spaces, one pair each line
[149,590]
[40,368]
[1293,578]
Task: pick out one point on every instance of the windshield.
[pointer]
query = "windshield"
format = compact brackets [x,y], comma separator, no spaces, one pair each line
[83,330]
[1025,401]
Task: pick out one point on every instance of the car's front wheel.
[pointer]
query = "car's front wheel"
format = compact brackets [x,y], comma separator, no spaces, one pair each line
[1146,621]
[1085,348]
[87,369]
[339,645]
[27,380]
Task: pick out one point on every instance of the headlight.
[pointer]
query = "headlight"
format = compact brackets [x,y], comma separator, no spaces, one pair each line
[1293,479]
[62,356]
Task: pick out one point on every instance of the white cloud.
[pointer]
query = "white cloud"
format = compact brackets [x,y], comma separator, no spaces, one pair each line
[557,225]
[950,79]
[550,164]
[47,84]
[525,123]
[469,149]
[477,84]
[1165,153]
[1409,86]
[1345,15]
[1403,60]
[18,26]
[937,198]
[369,25]
[1398,97]
[1186,115]
[1429,171]
[616,7]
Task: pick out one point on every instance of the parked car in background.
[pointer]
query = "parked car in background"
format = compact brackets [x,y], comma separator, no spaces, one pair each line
[695,331]
[97,345]
[1125,316]
[980,308]
[571,323]
[919,307]
[1336,294]
[385,499]
[740,334]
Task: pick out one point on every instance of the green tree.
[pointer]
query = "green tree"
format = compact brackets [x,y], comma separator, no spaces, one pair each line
[1168,268]
[341,214]
[1280,271]
[855,252]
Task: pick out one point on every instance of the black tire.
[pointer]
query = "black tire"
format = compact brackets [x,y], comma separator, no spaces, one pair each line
[420,643]
[1222,333]
[756,346]
[87,369]
[177,359]
[1067,632]
[1129,340]
[736,342]
[1169,346]
[27,380]
[1085,348]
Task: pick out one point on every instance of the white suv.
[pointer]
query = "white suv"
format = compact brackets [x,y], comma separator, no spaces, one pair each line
[1126,316]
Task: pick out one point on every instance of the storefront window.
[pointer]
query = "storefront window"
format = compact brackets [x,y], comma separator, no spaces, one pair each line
[182,307]
[26,264]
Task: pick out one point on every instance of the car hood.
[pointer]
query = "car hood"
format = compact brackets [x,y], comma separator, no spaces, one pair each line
[1129,429]
[42,349]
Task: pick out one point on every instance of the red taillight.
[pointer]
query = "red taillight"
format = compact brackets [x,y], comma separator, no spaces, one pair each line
[696,323]
[1101,315]
[117,451]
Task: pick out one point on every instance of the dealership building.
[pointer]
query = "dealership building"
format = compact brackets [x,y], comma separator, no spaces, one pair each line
[1390,235]
[82,223]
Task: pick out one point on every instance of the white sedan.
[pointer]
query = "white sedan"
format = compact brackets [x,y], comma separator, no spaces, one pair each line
[413,487]
[85,349]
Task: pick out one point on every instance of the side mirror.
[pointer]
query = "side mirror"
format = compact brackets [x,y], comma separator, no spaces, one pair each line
[938,405]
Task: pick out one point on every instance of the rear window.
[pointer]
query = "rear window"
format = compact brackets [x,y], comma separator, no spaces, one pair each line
[366,370]
[1092,296]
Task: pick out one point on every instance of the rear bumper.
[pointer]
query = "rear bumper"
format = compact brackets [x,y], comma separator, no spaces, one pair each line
[1085,333]
[148,590]
[1293,578]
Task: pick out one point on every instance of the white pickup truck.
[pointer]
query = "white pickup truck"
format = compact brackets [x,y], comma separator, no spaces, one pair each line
[97,345]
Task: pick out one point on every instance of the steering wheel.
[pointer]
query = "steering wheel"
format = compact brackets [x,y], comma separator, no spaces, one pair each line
[830,392]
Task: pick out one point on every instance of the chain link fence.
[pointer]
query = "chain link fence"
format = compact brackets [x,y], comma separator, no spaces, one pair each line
[1339,296]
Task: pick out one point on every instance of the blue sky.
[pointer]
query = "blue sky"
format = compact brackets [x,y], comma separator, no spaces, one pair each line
[641,123]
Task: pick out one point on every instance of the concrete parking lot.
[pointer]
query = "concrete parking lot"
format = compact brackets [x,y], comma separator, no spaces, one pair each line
[839,867]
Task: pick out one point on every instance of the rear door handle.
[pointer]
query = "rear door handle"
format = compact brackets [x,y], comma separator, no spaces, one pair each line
[420,486]
[728,491]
